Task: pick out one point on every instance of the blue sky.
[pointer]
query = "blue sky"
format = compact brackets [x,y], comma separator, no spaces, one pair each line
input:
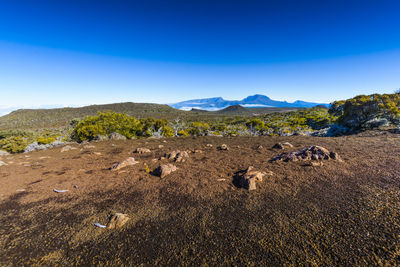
[86,52]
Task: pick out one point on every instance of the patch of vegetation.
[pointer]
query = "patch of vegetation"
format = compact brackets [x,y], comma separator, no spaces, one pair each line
[367,111]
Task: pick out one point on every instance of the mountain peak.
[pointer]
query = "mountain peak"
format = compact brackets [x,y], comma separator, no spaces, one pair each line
[256,99]
[253,101]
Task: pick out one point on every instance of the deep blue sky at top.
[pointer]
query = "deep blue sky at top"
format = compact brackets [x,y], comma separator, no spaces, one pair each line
[173,50]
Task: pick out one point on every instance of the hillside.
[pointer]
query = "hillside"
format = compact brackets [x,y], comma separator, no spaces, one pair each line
[61,117]
[341,213]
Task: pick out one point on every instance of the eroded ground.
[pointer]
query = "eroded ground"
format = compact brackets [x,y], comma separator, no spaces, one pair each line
[340,213]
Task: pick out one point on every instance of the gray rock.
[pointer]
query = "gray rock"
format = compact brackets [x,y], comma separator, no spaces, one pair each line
[4,153]
[101,138]
[117,136]
[35,146]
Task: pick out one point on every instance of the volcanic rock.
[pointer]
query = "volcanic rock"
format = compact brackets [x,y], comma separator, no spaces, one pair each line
[282,145]
[67,148]
[142,150]
[223,147]
[249,178]
[128,162]
[164,170]
[117,220]
[307,153]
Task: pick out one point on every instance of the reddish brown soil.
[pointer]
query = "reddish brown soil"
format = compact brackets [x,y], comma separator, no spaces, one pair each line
[341,213]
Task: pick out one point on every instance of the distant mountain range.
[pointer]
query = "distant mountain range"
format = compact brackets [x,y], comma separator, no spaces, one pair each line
[254,101]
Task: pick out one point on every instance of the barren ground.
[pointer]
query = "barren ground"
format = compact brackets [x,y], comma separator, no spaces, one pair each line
[345,213]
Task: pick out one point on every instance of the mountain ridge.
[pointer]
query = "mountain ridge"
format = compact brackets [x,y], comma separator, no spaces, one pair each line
[254,101]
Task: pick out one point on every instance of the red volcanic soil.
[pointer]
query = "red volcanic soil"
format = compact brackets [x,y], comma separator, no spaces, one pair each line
[340,213]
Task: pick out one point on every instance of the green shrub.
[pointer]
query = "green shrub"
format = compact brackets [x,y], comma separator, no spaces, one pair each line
[198,128]
[14,144]
[358,112]
[183,133]
[167,131]
[106,123]
[45,140]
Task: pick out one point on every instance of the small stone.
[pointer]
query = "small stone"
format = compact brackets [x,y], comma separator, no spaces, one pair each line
[282,145]
[128,162]
[4,153]
[88,146]
[197,151]
[117,220]
[209,145]
[2,163]
[67,148]
[164,170]
[314,163]
[181,156]
[142,150]
[160,146]
[223,147]
[101,138]
[177,156]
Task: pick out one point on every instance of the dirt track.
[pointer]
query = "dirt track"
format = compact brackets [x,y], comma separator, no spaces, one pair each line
[340,213]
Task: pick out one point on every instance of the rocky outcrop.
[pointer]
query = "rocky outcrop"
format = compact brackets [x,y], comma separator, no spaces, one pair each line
[164,170]
[128,162]
[307,153]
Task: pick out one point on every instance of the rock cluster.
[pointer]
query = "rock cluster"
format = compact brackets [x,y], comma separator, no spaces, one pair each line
[164,170]
[177,156]
[307,153]
[127,162]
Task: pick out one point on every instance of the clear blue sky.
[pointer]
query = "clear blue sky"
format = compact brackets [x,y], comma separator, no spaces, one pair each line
[85,52]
